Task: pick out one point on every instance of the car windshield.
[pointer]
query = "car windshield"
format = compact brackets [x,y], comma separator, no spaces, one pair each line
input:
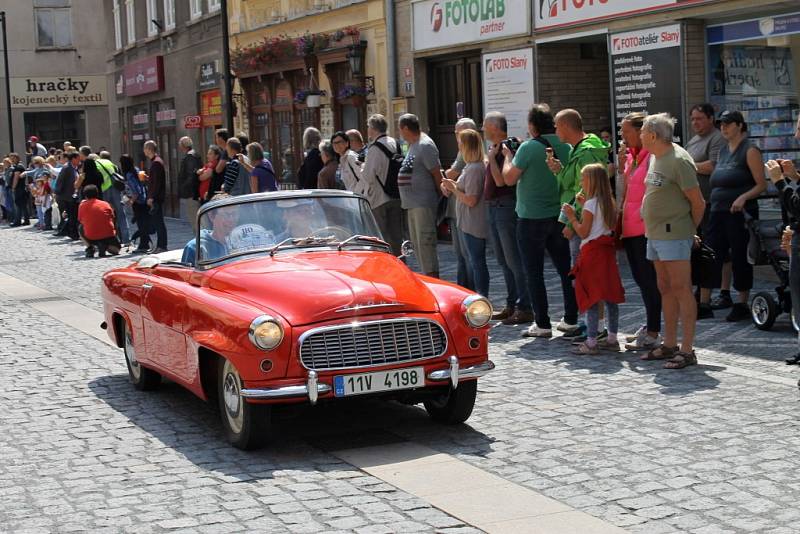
[258,225]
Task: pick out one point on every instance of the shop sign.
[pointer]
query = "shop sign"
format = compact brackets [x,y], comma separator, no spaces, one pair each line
[550,14]
[209,75]
[145,76]
[165,117]
[754,29]
[140,119]
[508,87]
[439,23]
[646,72]
[192,122]
[211,103]
[119,85]
[62,91]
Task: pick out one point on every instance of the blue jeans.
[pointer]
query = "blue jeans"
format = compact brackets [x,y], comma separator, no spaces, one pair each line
[593,319]
[475,248]
[535,237]
[463,277]
[503,234]
[114,197]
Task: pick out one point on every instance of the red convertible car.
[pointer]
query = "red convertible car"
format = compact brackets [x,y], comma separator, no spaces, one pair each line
[293,297]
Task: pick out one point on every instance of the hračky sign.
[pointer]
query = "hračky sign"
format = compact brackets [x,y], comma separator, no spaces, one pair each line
[58,92]
[439,23]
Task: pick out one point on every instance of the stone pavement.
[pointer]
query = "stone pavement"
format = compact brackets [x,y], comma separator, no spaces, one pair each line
[709,449]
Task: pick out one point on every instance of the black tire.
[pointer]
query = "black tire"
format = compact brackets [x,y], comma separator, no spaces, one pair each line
[455,406]
[246,425]
[141,377]
[763,310]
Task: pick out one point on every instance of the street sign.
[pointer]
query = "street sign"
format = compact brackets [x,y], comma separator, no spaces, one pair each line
[192,122]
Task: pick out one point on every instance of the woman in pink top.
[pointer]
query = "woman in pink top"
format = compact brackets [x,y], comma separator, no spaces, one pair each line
[636,163]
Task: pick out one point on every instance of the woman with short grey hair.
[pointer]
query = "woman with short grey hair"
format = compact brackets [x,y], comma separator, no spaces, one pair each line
[312,162]
[330,159]
[672,209]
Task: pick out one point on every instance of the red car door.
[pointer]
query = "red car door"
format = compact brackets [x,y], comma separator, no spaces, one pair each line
[163,315]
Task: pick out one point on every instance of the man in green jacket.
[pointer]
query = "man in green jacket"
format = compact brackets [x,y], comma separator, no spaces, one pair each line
[586,149]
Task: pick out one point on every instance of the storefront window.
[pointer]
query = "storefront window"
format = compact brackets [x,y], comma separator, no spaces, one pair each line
[753,67]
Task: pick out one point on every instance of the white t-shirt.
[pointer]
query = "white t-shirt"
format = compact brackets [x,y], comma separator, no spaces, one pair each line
[599,227]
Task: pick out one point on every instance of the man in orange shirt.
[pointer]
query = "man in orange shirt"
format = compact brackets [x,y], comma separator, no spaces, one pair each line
[96,219]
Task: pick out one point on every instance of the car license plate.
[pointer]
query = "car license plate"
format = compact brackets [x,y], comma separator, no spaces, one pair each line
[393,379]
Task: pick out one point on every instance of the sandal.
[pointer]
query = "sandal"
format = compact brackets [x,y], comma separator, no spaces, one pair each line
[611,346]
[661,352]
[586,350]
[681,360]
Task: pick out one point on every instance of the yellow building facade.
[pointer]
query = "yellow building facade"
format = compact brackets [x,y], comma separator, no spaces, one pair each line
[283,52]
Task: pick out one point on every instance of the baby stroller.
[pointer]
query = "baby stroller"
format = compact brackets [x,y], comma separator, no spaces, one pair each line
[765,249]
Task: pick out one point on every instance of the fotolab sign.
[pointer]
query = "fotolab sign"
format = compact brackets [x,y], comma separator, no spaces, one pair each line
[439,23]
[62,91]
[555,13]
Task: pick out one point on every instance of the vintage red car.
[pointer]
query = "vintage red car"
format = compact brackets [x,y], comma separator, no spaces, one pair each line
[293,297]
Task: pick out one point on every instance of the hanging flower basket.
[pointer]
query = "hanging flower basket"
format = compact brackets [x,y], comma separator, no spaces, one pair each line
[311,97]
[313,101]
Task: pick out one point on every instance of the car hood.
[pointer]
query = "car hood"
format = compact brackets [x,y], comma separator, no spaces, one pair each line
[309,287]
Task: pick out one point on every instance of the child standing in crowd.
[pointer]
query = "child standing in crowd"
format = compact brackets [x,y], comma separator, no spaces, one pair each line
[596,273]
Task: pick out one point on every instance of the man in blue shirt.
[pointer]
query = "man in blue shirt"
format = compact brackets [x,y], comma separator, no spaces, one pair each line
[213,243]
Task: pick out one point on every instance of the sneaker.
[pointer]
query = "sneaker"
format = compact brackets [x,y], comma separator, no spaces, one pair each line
[535,331]
[519,317]
[564,326]
[704,311]
[90,252]
[636,335]
[739,312]
[794,360]
[577,334]
[643,342]
[500,315]
[721,302]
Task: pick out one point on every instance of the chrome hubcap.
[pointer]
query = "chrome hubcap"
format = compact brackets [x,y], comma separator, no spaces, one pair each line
[233,401]
[130,355]
[760,310]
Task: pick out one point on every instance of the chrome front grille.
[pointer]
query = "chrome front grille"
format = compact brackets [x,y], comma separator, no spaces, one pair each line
[371,343]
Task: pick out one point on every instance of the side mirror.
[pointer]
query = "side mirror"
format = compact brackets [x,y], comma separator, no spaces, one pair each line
[406,249]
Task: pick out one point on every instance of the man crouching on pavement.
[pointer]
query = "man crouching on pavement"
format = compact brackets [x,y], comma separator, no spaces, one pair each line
[96,224]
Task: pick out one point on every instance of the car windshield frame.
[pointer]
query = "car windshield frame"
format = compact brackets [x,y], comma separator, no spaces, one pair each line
[303,244]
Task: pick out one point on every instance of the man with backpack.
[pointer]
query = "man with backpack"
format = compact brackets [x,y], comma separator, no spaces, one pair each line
[112,188]
[381,167]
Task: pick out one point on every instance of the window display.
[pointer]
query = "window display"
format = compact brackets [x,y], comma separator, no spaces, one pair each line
[753,68]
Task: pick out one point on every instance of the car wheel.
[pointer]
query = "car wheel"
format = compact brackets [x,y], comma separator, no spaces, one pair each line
[245,424]
[142,378]
[455,406]
[764,310]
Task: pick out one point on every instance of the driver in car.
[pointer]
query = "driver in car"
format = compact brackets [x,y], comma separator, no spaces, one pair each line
[299,216]
[214,242]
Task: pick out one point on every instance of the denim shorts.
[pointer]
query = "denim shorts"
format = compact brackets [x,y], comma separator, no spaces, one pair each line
[669,249]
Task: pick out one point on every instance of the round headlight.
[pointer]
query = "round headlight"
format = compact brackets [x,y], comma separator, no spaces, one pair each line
[477,311]
[266,332]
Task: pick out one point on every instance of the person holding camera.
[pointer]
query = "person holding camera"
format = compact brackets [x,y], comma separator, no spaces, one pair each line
[538,208]
[501,201]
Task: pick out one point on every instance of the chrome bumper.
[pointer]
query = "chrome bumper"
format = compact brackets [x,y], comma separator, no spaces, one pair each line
[455,372]
[312,389]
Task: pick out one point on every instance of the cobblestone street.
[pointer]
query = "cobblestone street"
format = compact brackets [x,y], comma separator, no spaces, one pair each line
[711,449]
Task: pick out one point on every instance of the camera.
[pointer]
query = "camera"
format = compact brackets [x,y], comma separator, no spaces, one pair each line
[512,143]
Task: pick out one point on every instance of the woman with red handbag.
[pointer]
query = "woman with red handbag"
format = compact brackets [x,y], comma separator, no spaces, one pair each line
[635,162]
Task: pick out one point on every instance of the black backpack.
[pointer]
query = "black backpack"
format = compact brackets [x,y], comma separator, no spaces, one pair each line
[395,162]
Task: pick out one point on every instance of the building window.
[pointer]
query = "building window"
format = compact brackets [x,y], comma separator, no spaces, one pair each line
[117,26]
[53,24]
[169,14]
[130,17]
[213,5]
[196,8]
[152,15]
